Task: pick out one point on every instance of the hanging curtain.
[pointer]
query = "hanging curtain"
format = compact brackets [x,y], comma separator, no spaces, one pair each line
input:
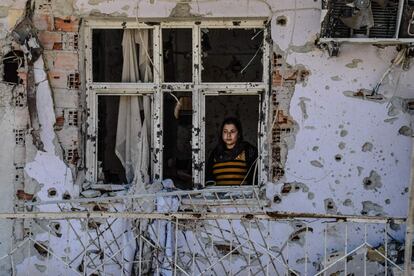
[134,123]
[133,131]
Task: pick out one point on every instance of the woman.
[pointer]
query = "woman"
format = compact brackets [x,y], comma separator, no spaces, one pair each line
[233,160]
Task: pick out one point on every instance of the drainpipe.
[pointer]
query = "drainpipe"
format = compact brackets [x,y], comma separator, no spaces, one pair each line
[410,220]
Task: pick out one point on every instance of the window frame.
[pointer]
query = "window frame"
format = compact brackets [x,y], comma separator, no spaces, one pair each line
[155,89]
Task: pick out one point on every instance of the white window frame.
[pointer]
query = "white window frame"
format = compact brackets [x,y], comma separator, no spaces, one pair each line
[156,89]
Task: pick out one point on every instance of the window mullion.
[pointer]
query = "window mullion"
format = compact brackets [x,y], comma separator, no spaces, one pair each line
[91,141]
[198,112]
[157,114]
[263,139]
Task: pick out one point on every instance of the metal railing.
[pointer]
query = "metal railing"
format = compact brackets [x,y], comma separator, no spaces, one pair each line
[208,232]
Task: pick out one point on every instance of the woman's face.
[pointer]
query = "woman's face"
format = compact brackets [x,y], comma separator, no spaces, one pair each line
[230,135]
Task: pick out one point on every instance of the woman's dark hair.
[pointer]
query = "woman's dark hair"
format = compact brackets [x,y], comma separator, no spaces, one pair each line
[230,121]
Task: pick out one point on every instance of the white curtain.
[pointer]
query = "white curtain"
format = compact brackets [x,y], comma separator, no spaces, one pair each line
[133,131]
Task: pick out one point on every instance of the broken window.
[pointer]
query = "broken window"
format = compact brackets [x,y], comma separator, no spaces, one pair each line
[232,55]
[177,55]
[178,113]
[244,108]
[185,79]
[123,138]
[111,47]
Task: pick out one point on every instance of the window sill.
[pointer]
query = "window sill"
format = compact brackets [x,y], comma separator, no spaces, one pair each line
[224,197]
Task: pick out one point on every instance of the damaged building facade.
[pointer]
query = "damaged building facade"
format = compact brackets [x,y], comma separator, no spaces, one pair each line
[109,111]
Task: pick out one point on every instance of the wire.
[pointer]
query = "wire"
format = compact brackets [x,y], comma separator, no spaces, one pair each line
[251,60]
[399,59]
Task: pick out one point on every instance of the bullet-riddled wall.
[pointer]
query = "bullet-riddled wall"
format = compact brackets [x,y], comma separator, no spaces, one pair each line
[330,148]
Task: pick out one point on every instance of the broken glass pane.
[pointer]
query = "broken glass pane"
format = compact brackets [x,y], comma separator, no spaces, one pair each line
[232,55]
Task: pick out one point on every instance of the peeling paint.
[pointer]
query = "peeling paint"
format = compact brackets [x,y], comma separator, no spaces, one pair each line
[348,203]
[354,63]
[367,146]
[372,209]
[316,163]
[302,105]
[343,133]
[306,48]
[182,10]
[4,11]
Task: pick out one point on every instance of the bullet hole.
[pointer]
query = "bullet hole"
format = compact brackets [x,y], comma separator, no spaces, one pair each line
[281,20]
[99,208]
[66,196]
[338,157]
[341,145]
[93,224]
[373,181]
[343,133]
[81,267]
[42,248]
[330,206]
[52,192]
[367,146]
[348,202]
[277,199]
[394,226]
[293,187]
[316,163]
[387,201]
[406,131]
[315,148]
[287,187]
[56,228]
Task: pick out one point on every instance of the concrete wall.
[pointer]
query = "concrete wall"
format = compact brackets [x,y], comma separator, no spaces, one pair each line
[337,153]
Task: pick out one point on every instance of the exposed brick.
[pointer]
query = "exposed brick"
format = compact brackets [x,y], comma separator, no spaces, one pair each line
[22,74]
[67,24]
[50,39]
[43,22]
[62,61]
[65,98]
[57,79]
[277,79]
[60,121]
[22,195]
[73,81]
[59,40]
[72,156]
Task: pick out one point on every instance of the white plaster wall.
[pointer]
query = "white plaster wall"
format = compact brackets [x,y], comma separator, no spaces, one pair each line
[7,121]
[329,110]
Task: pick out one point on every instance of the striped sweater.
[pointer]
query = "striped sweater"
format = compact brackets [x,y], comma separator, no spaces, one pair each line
[231,172]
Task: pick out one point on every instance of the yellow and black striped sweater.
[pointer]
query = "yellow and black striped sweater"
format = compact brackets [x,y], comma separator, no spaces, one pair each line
[231,172]
[232,167]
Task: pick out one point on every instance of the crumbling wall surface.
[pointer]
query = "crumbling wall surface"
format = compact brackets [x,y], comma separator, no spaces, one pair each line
[350,155]
[336,151]
[7,169]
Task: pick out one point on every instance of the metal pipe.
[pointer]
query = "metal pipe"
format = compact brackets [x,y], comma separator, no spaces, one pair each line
[410,220]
